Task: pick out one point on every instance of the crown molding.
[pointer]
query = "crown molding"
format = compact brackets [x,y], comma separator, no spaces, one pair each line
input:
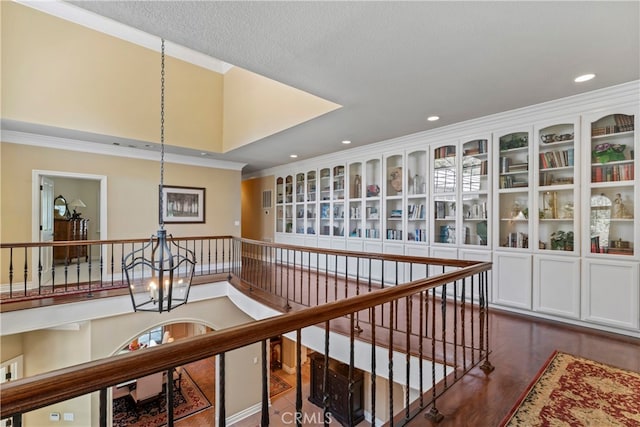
[583,103]
[46,141]
[113,28]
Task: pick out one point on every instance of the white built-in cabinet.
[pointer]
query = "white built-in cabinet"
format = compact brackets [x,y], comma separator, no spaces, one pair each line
[551,201]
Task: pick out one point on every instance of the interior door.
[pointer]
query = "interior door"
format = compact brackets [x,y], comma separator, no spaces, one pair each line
[46,227]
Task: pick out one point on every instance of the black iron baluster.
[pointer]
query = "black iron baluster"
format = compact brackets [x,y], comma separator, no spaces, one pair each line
[351,366]
[335,278]
[486,366]
[390,361]
[40,271]
[89,270]
[420,348]
[463,307]
[298,375]
[26,270]
[222,413]
[443,311]
[408,326]
[103,407]
[455,330]
[265,386]
[372,314]
[325,376]
[169,390]
[434,415]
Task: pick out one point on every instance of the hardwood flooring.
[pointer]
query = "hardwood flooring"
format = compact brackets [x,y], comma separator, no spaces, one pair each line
[520,345]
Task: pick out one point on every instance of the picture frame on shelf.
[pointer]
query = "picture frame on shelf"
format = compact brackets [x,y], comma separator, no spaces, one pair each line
[182,205]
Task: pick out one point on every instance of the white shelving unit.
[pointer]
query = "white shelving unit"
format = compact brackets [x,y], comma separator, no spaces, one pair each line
[550,199]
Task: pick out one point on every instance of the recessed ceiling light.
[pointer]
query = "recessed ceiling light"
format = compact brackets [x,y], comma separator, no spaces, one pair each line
[584,78]
[203,154]
[346,141]
[293,156]
[433,118]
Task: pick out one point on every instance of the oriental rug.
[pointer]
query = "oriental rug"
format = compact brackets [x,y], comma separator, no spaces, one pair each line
[277,385]
[188,400]
[573,391]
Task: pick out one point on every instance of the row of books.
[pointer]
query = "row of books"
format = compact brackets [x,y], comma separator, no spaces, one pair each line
[476,147]
[517,240]
[418,235]
[624,123]
[557,159]
[394,234]
[609,173]
[442,152]
[416,211]
[512,182]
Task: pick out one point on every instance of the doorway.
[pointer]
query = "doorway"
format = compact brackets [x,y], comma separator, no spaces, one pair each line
[93,188]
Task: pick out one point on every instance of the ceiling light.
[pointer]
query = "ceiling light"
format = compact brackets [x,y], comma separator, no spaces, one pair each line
[433,118]
[346,141]
[159,280]
[293,156]
[584,78]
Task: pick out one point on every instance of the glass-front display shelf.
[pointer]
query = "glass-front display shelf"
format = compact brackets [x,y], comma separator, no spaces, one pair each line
[513,190]
[445,184]
[556,190]
[611,219]
[475,190]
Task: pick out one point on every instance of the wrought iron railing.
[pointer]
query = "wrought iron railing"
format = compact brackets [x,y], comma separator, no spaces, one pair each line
[36,270]
[418,322]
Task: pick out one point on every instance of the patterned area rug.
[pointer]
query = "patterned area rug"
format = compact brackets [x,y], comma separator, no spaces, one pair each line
[277,385]
[187,401]
[572,391]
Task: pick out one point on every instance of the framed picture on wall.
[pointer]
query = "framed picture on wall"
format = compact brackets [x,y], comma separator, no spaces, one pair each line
[183,204]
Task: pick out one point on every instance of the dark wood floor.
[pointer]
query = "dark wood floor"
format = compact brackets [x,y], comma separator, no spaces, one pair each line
[521,345]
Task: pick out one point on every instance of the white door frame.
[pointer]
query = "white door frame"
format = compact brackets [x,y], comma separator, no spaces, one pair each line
[35,199]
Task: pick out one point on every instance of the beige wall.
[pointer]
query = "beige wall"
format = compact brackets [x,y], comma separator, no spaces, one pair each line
[47,350]
[132,192]
[256,107]
[257,223]
[62,74]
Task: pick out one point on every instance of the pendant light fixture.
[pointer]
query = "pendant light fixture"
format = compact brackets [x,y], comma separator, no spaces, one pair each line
[158,279]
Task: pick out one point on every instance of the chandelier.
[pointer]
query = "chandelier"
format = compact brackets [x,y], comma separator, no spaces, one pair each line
[159,279]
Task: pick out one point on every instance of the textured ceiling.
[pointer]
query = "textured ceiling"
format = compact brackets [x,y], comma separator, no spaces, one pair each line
[391,64]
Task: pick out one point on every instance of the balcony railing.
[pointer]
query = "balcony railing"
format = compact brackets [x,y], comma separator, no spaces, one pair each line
[418,322]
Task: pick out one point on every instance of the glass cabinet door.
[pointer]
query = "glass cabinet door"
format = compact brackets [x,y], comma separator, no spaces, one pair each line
[613,192]
[513,190]
[475,192]
[556,193]
[445,185]
[300,206]
[311,203]
[372,208]
[338,195]
[355,200]
[394,187]
[416,196]
[324,215]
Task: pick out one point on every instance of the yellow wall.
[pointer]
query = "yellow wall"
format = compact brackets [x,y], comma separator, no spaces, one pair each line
[62,74]
[257,223]
[256,107]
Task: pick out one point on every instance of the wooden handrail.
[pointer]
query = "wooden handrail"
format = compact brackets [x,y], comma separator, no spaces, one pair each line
[101,242]
[41,390]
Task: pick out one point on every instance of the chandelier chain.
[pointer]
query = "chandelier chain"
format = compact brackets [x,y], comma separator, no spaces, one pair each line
[161,219]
